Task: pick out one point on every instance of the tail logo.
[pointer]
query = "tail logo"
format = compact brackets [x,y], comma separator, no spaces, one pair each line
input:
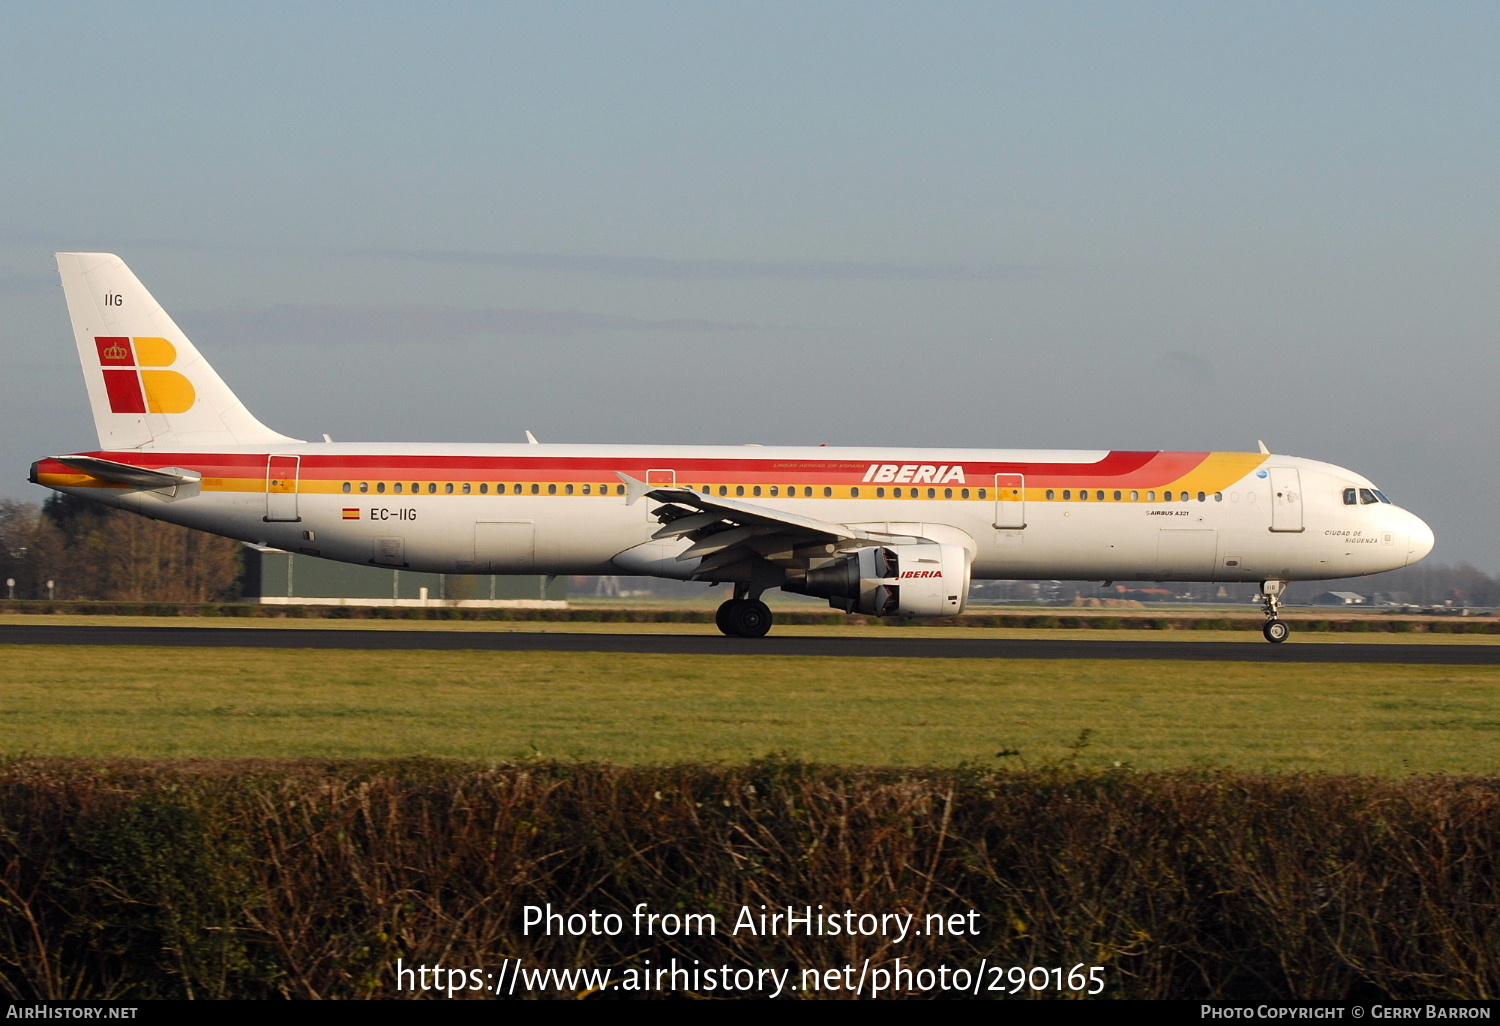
[134,379]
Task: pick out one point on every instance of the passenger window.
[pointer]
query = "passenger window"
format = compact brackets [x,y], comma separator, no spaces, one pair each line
[880,493]
[415,488]
[947,493]
[1150,496]
[1083,493]
[1202,497]
[348,487]
[853,492]
[739,489]
[773,491]
[588,489]
[1166,496]
[755,490]
[1218,496]
[1050,495]
[398,488]
[1117,496]
[552,489]
[536,489]
[1099,495]
[485,488]
[364,486]
[1135,496]
[432,488]
[965,494]
[931,492]
[380,487]
[723,489]
[897,493]
[828,493]
[468,487]
[568,489]
[1067,493]
[1367,497]
[1351,497]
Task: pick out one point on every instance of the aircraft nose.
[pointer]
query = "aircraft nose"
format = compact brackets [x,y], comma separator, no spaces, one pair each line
[1419,541]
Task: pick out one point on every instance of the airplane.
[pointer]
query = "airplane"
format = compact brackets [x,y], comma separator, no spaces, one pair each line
[875,530]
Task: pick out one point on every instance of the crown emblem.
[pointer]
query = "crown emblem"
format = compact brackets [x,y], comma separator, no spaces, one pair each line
[116,352]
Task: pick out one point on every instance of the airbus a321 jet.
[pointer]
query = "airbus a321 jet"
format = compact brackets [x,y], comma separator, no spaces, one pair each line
[874,530]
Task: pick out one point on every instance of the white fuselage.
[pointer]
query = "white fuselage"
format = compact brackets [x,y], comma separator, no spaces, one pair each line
[1230,516]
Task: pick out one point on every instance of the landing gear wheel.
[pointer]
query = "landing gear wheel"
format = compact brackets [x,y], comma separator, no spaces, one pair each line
[745,618]
[723,613]
[1270,593]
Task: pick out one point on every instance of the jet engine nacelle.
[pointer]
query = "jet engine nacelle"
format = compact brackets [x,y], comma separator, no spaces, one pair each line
[924,579]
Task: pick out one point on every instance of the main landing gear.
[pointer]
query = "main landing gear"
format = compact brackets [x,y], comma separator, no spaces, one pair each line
[1275,630]
[743,616]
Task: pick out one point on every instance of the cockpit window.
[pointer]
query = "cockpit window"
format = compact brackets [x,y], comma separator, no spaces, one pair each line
[1351,496]
[1381,496]
[1367,497]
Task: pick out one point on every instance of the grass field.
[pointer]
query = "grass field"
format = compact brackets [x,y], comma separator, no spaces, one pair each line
[239,703]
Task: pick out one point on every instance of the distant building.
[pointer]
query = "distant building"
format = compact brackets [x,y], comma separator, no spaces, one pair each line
[1340,598]
[275,577]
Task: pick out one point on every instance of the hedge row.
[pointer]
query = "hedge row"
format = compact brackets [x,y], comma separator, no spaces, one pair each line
[312,879]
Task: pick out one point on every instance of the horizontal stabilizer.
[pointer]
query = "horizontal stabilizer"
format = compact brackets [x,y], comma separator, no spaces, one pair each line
[125,474]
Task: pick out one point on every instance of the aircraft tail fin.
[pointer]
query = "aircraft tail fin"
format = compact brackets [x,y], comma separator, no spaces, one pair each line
[148,386]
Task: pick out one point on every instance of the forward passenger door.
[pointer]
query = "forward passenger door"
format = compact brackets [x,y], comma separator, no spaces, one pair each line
[1286,499]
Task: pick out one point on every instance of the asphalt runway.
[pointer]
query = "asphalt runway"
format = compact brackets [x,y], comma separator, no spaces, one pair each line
[704,645]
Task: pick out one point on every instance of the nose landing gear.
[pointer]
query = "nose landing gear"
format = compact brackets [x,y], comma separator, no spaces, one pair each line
[744,617]
[1275,630]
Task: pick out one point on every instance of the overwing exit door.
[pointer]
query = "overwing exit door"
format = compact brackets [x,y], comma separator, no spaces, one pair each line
[1010,501]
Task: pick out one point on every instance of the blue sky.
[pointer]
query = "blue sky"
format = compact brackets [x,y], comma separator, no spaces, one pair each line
[1075,225]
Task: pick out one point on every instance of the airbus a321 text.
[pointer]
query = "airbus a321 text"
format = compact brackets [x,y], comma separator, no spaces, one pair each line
[873,530]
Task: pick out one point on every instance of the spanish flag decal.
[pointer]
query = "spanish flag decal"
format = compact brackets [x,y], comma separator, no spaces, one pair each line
[351,514]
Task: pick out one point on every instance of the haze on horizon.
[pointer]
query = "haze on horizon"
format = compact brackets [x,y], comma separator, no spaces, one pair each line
[1176,226]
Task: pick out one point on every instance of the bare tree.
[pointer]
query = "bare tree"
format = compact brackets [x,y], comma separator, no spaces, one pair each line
[90,551]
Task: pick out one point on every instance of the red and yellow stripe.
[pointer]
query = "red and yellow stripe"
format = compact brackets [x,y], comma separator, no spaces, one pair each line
[430,475]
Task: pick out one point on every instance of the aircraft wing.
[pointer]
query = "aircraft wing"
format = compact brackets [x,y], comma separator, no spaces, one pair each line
[127,474]
[727,531]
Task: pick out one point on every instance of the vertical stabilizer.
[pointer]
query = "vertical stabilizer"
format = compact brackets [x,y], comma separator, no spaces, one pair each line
[148,386]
